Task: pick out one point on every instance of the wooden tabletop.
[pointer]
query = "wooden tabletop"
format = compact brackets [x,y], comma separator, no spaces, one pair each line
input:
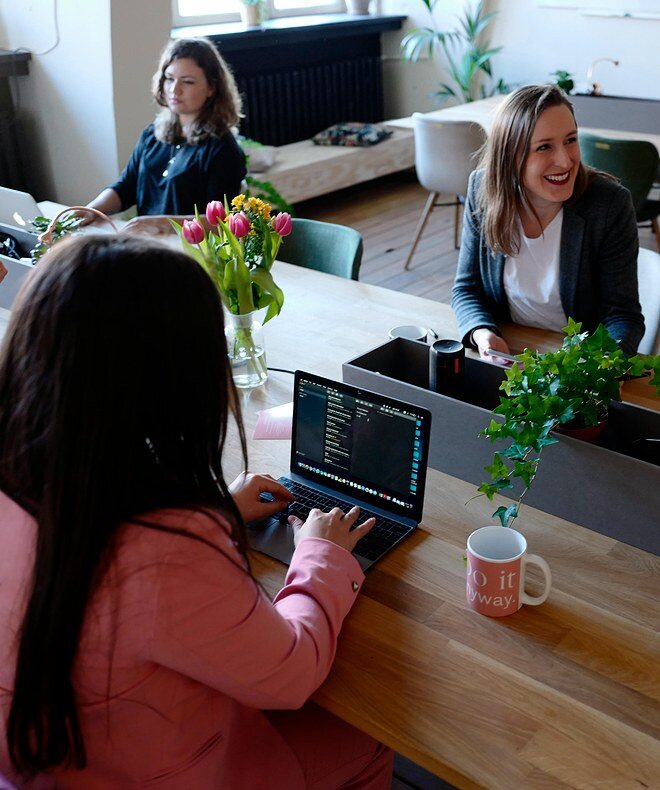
[482,112]
[563,695]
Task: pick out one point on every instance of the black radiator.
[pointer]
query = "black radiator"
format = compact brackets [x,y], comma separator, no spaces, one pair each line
[296,81]
[294,104]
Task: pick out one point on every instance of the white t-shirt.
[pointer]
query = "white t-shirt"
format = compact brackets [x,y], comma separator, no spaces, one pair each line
[531,279]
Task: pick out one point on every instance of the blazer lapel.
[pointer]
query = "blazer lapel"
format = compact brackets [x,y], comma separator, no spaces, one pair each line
[497,275]
[570,256]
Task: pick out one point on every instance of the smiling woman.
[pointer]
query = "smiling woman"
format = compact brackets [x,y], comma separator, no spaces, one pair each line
[544,237]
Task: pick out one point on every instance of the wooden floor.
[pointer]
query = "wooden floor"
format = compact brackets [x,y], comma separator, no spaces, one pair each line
[386,211]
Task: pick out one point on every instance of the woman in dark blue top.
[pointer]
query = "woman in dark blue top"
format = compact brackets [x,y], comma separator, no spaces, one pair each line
[189,155]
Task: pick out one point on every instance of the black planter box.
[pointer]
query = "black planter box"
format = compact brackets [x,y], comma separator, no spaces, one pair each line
[611,488]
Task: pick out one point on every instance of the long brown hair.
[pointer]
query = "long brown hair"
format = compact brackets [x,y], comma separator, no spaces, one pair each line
[115,392]
[501,192]
[222,110]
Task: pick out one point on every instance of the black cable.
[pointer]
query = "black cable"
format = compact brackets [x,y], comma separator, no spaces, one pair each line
[282,370]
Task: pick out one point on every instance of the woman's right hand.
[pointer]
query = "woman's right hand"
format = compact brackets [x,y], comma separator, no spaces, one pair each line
[484,339]
[334,526]
[150,225]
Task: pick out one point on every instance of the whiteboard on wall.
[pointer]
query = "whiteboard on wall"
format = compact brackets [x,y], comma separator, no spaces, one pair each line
[633,7]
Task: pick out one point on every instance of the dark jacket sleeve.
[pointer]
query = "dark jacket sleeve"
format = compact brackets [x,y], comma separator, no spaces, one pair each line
[620,309]
[126,186]
[226,169]
[469,299]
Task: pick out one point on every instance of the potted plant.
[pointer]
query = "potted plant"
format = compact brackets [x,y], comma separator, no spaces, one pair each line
[467,53]
[568,388]
[563,80]
[62,227]
[252,12]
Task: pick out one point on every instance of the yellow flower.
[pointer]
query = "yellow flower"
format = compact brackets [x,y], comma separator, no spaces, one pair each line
[238,202]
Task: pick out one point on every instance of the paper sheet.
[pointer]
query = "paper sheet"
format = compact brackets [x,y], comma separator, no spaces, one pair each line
[274,423]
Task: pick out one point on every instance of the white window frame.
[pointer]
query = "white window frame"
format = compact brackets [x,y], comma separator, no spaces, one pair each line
[337,7]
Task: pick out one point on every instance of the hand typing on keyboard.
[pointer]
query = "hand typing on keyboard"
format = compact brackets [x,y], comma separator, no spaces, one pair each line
[259,496]
[335,526]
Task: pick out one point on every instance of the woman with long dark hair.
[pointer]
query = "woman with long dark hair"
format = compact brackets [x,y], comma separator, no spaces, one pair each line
[544,237]
[189,155]
[135,646]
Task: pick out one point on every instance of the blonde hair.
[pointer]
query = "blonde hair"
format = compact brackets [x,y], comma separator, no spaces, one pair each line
[501,192]
[222,110]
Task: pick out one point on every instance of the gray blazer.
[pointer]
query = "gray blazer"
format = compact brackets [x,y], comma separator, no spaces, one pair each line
[597,266]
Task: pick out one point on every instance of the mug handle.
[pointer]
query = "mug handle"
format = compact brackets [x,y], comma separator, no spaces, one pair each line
[534,559]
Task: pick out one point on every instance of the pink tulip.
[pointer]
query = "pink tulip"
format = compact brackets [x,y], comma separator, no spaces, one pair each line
[215,211]
[282,224]
[192,231]
[239,224]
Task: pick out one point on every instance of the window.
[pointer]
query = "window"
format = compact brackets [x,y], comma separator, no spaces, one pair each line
[193,12]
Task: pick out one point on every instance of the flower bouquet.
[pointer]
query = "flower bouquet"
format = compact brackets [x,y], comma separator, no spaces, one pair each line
[238,253]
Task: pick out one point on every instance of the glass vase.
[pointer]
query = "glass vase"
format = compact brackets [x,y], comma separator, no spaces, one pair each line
[245,346]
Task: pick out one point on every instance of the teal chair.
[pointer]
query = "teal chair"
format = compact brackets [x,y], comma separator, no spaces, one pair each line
[634,163]
[324,246]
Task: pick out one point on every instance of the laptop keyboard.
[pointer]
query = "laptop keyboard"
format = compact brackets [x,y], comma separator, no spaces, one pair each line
[382,536]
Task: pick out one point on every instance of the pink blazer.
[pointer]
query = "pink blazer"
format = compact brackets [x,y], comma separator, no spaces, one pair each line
[180,651]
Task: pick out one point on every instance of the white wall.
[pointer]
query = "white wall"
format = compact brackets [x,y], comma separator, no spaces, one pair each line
[139,31]
[83,104]
[537,41]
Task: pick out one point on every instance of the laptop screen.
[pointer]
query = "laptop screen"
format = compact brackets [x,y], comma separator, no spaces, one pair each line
[365,445]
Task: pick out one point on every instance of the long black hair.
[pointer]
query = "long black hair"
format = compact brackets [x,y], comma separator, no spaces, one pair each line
[115,392]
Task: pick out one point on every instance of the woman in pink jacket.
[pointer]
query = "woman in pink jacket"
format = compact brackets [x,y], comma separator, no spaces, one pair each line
[136,649]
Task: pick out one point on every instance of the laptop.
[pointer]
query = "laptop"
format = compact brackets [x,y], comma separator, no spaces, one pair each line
[18,208]
[351,447]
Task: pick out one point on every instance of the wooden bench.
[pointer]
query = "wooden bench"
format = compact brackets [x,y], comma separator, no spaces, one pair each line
[304,170]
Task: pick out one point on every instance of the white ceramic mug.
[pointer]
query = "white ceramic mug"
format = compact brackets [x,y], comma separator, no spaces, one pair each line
[496,561]
[409,332]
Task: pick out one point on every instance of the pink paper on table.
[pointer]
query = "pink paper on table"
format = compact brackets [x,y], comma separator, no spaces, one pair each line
[275,423]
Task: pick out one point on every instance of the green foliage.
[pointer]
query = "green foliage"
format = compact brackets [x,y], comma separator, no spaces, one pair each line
[564,80]
[63,226]
[573,385]
[266,191]
[467,54]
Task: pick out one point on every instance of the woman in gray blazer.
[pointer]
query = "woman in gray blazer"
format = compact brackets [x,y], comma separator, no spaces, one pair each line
[544,237]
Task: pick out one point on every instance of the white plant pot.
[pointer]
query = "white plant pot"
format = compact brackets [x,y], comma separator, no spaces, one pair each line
[251,15]
[357,7]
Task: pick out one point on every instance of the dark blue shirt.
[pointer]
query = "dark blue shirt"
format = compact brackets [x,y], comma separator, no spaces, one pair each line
[172,179]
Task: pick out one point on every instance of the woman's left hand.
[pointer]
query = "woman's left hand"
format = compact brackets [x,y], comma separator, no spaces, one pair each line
[246,491]
[154,225]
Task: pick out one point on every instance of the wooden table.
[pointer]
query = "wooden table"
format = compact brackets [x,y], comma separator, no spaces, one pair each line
[564,695]
[482,112]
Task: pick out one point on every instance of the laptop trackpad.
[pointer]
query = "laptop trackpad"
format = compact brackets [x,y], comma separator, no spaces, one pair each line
[272,537]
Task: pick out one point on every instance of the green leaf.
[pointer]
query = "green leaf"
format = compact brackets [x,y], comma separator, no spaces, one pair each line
[506,514]
[264,280]
[498,468]
[488,489]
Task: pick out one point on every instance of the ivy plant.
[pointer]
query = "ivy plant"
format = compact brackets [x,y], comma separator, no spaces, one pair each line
[572,387]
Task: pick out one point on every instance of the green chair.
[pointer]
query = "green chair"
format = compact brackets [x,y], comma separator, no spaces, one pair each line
[324,246]
[634,163]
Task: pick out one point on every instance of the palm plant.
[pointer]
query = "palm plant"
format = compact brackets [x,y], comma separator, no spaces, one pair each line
[468,54]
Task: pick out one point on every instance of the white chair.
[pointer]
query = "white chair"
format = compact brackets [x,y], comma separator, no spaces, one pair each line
[444,158]
[17,271]
[648,276]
